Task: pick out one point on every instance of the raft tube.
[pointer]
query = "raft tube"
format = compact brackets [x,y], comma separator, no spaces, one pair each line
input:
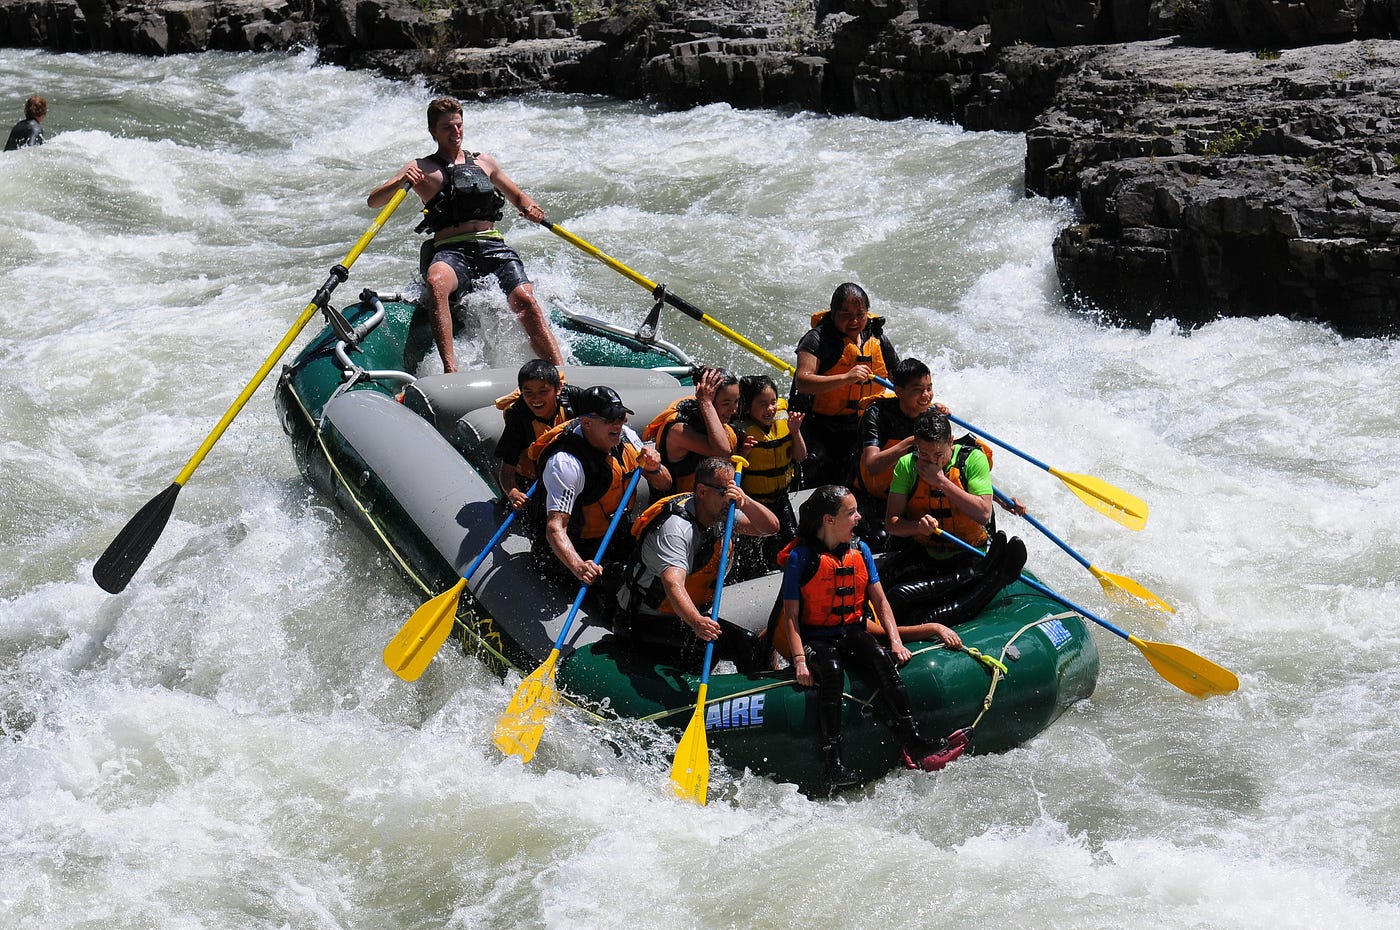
[410,461]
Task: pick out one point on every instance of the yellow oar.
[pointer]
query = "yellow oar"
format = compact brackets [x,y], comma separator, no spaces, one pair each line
[660,292]
[124,555]
[519,729]
[1098,494]
[1178,665]
[418,640]
[690,769]
[1114,503]
[1115,586]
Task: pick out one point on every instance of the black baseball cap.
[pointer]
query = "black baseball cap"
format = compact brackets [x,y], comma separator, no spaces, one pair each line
[601,402]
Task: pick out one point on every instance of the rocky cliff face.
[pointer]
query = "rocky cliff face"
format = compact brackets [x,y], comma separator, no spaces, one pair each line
[1228,156]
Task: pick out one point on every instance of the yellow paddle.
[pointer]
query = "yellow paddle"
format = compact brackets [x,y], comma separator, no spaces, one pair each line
[659,291]
[1115,586]
[519,729]
[1178,665]
[690,769]
[1097,493]
[124,555]
[418,640]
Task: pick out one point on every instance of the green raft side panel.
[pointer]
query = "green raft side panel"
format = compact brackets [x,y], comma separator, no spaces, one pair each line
[768,724]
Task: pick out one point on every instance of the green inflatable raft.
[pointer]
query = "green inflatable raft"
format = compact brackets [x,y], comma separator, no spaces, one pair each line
[409,459]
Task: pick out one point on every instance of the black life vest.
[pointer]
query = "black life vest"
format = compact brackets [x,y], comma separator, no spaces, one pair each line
[467,195]
[604,481]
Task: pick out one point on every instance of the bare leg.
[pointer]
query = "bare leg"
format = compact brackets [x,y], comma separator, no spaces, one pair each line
[442,281]
[532,319]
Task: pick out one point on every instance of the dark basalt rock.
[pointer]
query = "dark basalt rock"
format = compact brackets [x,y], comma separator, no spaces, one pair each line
[1246,165]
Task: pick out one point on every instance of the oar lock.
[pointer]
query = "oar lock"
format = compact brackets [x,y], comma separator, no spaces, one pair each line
[647,331]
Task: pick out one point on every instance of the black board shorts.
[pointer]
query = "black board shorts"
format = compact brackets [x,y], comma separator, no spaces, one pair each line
[479,258]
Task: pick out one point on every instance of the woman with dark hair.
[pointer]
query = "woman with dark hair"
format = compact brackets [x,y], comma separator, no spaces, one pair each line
[837,363]
[828,577]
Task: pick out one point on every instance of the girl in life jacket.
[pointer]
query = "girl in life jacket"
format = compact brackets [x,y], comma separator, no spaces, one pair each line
[771,438]
[829,577]
[697,427]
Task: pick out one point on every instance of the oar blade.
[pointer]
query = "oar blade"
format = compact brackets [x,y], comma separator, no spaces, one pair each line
[1114,503]
[690,769]
[116,566]
[519,729]
[1122,589]
[1189,672]
[418,640]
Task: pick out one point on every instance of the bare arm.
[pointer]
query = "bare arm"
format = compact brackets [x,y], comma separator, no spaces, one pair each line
[799,655]
[750,517]
[412,173]
[673,582]
[897,524]
[556,530]
[799,445]
[809,382]
[512,192]
[879,460]
[875,594]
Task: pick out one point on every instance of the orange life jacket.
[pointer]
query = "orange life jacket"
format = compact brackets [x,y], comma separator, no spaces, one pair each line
[703,572]
[604,480]
[923,499]
[845,401]
[682,470]
[834,592]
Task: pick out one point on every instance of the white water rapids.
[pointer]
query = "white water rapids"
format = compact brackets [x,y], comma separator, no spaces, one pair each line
[220,746]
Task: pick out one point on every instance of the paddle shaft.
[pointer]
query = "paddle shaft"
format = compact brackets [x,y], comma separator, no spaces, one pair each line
[500,533]
[719,588]
[1007,502]
[598,556]
[126,552]
[659,291]
[338,274]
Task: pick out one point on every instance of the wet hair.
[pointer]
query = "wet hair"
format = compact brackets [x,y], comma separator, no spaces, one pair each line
[440,106]
[933,426]
[750,386]
[727,377]
[710,468]
[907,370]
[847,292]
[824,502]
[537,369]
[36,107]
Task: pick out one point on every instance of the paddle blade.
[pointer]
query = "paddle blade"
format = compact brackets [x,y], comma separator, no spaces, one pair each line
[519,730]
[690,770]
[113,570]
[1121,588]
[414,646]
[1188,671]
[1114,503]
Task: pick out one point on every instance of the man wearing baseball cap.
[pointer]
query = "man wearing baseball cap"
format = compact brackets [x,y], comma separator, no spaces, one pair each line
[585,466]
